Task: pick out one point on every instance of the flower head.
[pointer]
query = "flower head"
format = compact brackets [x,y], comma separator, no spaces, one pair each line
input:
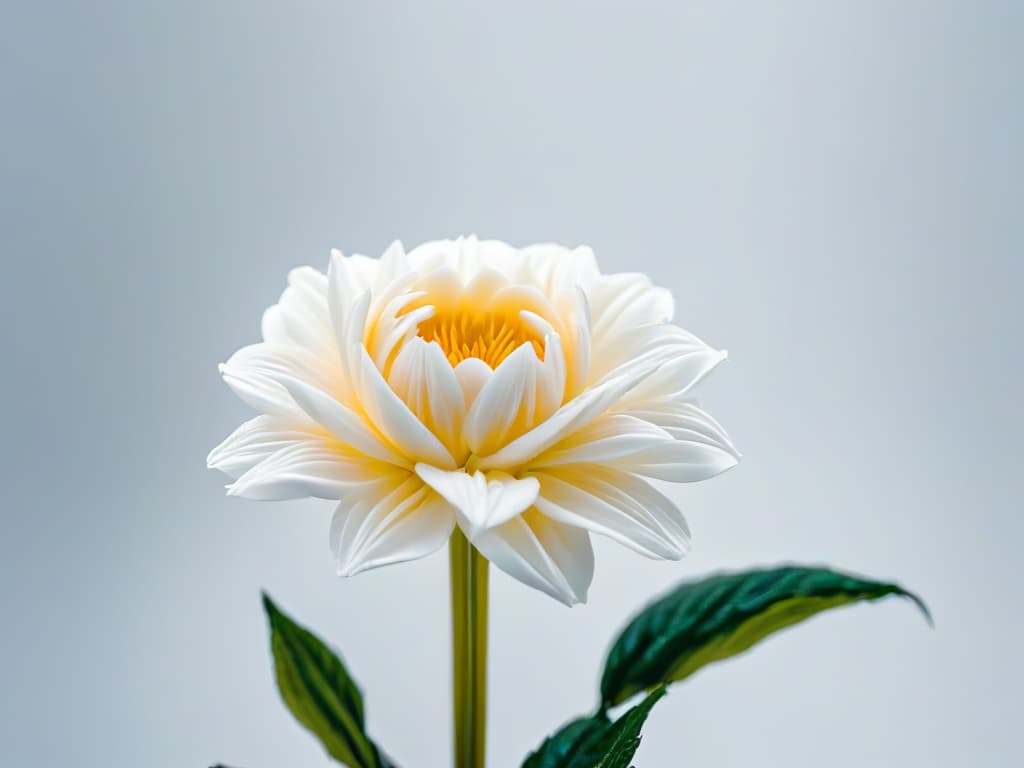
[517,393]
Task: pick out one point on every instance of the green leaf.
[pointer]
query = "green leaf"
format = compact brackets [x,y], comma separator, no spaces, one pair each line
[319,691]
[620,743]
[721,616]
[595,742]
[560,749]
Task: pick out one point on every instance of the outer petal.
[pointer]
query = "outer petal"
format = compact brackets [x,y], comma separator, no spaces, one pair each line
[610,438]
[615,504]
[558,270]
[482,500]
[321,469]
[253,373]
[257,439]
[392,519]
[300,317]
[675,378]
[626,300]
[668,343]
[348,303]
[635,445]
[542,553]
[684,420]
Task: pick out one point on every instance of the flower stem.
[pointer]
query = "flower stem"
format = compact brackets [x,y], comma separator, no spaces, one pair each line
[469,651]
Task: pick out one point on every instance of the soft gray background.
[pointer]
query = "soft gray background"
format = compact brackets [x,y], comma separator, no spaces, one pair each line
[832,190]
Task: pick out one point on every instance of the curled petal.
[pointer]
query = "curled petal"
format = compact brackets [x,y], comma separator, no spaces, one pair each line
[483,500]
[542,553]
[616,504]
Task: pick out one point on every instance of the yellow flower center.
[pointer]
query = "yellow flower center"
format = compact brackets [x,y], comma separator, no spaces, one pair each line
[488,334]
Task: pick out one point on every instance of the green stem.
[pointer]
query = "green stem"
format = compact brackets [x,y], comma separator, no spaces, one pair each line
[469,651]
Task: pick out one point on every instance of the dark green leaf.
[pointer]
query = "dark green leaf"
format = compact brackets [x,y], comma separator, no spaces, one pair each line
[560,748]
[620,743]
[319,691]
[595,742]
[721,616]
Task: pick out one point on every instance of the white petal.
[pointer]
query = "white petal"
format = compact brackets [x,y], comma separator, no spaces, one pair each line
[700,448]
[487,282]
[609,438]
[676,377]
[306,314]
[682,360]
[422,377]
[506,406]
[272,326]
[483,500]
[313,468]
[359,274]
[393,331]
[348,308]
[390,520]
[393,265]
[662,340]
[551,372]
[622,301]
[578,369]
[300,318]
[559,270]
[678,461]
[615,504]
[395,421]
[685,420]
[638,446]
[348,277]
[574,415]
[472,373]
[348,427]
[253,373]
[257,439]
[546,555]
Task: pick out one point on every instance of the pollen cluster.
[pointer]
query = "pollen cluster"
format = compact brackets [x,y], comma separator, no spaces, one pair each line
[488,335]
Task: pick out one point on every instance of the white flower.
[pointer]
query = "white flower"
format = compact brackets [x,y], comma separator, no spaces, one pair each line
[518,393]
